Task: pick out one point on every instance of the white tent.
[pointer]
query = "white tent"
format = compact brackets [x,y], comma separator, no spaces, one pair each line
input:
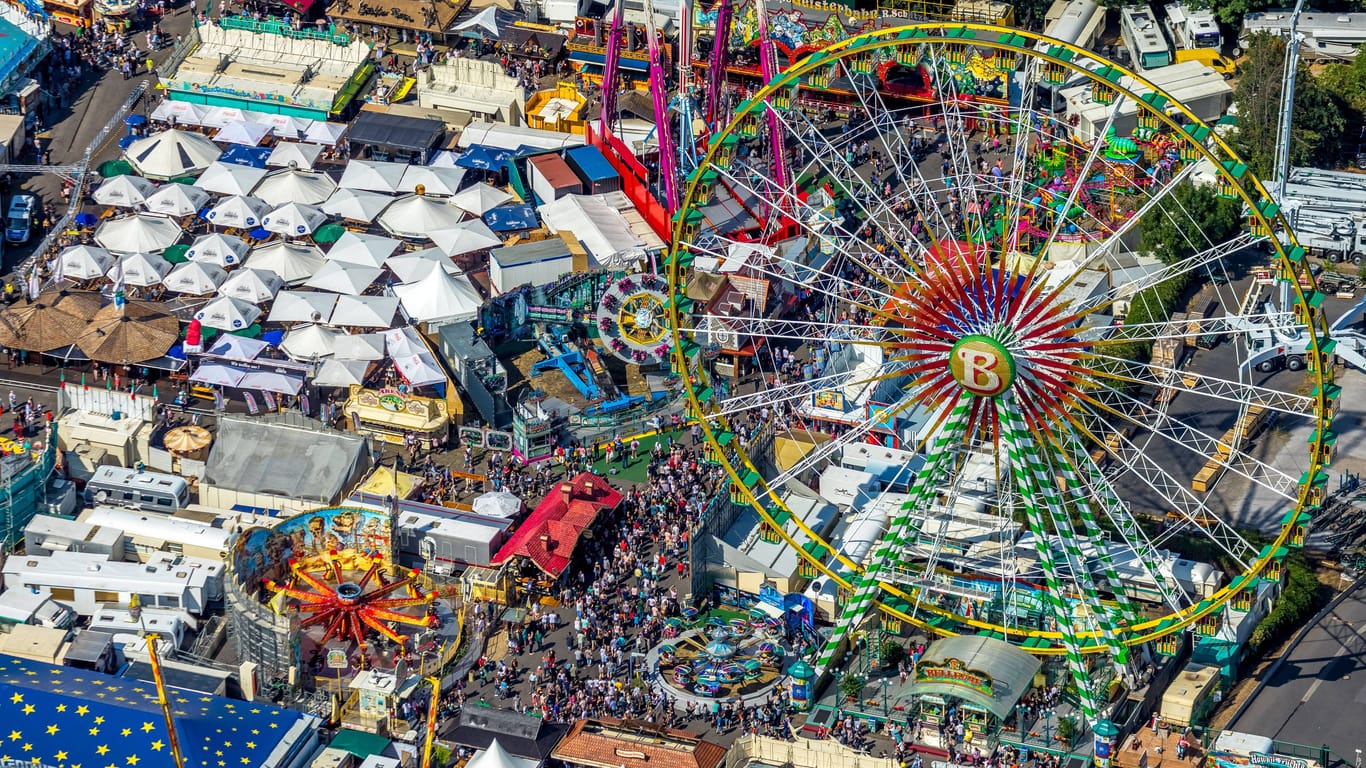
[468,236]
[239,212]
[242,132]
[139,233]
[84,262]
[289,154]
[434,181]
[126,191]
[197,278]
[140,269]
[295,186]
[480,199]
[294,219]
[365,311]
[359,346]
[309,342]
[440,296]
[302,307]
[411,267]
[372,175]
[181,112]
[340,373]
[359,248]
[416,215]
[357,205]
[293,262]
[601,228]
[228,314]
[285,126]
[255,285]
[229,178]
[343,277]
[234,347]
[325,133]
[176,200]
[217,374]
[272,381]
[444,159]
[217,117]
[497,504]
[495,756]
[219,249]
[171,153]
[412,357]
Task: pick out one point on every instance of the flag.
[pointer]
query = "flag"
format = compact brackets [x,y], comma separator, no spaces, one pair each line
[120,296]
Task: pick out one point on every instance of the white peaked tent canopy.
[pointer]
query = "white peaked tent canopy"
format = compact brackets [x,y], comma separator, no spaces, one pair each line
[218,374]
[219,249]
[294,219]
[359,346]
[176,200]
[440,296]
[340,373]
[309,342]
[84,262]
[242,132]
[139,233]
[416,215]
[363,249]
[295,186]
[372,175]
[466,237]
[217,117]
[140,269]
[197,278]
[602,229]
[343,277]
[411,267]
[495,756]
[444,159]
[292,153]
[434,181]
[365,311]
[325,133]
[302,307]
[230,178]
[293,262]
[126,191]
[412,357]
[239,212]
[480,199]
[236,347]
[285,126]
[181,112]
[357,205]
[497,504]
[228,314]
[255,285]
[171,153]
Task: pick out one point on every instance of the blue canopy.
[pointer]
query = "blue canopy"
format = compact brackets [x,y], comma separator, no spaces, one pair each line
[273,338]
[127,141]
[134,119]
[507,218]
[484,158]
[241,154]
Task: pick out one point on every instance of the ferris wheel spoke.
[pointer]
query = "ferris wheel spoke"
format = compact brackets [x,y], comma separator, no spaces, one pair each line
[1186,380]
[1196,442]
[1174,494]
[1065,214]
[1188,330]
[795,392]
[802,330]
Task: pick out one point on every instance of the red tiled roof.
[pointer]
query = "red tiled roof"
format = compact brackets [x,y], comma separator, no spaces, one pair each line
[633,744]
[550,533]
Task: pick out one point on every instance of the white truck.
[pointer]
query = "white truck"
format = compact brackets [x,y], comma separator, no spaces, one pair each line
[1333,234]
[1191,28]
[1273,346]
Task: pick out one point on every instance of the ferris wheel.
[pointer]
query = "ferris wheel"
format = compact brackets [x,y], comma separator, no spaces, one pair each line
[947,274]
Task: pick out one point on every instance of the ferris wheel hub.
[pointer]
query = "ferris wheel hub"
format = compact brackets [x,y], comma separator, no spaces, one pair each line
[982,365]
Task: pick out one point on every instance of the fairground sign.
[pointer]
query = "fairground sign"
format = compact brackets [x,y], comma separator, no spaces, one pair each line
[954,672]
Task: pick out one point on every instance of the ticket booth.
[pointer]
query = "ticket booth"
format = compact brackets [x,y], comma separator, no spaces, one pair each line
[982,678]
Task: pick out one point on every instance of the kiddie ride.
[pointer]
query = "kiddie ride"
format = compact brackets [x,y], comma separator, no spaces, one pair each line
[582,367]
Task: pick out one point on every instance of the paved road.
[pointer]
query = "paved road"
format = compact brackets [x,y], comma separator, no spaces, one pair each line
[1312,698]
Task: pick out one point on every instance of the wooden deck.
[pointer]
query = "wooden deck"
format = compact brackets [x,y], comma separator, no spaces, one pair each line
[1146,749]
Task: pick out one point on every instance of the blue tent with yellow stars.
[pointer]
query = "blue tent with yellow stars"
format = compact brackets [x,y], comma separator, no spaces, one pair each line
[73,718]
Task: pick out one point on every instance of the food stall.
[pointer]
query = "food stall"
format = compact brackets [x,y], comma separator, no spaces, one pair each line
[389,414]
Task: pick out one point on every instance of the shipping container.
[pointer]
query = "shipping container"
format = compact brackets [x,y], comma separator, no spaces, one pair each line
[539,263]
[552,178]
[598,175]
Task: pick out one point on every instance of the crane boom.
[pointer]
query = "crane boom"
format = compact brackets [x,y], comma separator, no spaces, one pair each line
[610,66]
[716,68]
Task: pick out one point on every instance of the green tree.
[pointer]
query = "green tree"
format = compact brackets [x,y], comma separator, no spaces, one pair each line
[1319,120]
[1186,221]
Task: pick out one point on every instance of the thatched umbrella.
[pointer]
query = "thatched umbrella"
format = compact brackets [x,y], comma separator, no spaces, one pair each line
[51,321]
[134,333]
[187,439]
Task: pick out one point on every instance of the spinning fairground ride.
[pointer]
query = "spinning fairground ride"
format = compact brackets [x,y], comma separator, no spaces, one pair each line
[348,606]
[954,277]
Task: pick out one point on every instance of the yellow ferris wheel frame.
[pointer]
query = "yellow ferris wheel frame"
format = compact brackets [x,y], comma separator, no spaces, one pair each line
[1288,256]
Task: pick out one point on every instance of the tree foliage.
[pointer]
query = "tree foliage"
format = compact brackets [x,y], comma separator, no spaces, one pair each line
[1301,598]
[1319,119]
[1186,221]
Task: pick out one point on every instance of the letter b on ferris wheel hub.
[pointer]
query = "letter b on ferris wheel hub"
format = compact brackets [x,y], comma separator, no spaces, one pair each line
[982,365]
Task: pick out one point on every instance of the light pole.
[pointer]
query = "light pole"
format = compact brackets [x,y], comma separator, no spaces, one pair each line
[1020,712]
[887,711]
[1047,727]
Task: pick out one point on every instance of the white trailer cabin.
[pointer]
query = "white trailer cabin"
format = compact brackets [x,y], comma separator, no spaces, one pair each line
[145,534]
[90,582]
